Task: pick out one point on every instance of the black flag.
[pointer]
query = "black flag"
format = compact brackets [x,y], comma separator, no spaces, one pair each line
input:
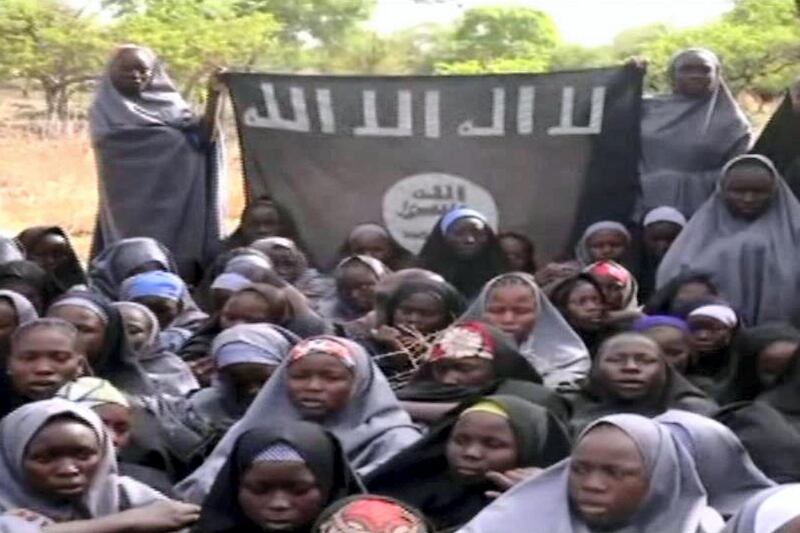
[541,154]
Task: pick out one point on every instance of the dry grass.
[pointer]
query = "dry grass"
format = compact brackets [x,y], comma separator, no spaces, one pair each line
[53,180]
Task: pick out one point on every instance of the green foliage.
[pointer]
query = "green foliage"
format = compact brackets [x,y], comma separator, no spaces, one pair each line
[500,39]
[52,45]
[323,21]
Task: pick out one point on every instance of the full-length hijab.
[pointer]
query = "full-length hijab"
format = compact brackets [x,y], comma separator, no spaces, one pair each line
[320,451]
[768,511]
[753,263]
[556,352]
[675,501]
[108,493]
[420,474]
[686,141]
[725,468]
[372,427]
[155,178]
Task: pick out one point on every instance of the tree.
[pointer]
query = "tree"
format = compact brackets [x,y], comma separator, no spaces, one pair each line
[500,39]
[320,21]
[196,37]
[55,46]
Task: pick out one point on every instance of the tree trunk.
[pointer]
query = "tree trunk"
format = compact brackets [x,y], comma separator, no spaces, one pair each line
[50,99]
[62,103]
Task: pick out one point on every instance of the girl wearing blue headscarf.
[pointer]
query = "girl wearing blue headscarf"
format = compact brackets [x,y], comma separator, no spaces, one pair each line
[464,249]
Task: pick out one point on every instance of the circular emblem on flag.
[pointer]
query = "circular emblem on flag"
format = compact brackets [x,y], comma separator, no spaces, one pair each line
[413,204]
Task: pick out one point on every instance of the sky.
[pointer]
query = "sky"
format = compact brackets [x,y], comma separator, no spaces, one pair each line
[586,22]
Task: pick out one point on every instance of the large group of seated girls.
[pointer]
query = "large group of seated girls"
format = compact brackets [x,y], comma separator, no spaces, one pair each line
[650,382]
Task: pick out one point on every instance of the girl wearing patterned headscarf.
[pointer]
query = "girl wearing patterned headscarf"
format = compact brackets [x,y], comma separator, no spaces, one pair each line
[350,398]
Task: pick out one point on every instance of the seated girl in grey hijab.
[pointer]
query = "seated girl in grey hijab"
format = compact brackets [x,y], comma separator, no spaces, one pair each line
[626,473]
[331,381]
[747,236]
[58,463]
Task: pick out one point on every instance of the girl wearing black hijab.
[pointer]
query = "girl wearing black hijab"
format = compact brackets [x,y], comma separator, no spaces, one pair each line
[470,360]
[464,250]
[415,312]
[30,280]
[277,478]
[785,397]
[630,375]
[51,249]
[446,475]
[761,355]
[581,302]
[683,288]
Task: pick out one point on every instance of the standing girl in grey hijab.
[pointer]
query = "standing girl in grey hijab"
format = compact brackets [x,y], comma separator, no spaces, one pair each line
[688,135]
[157,163]
[626,474]
[351,399]
[748,237]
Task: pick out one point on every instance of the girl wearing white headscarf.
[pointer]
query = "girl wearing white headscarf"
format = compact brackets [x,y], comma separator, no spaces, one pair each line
[551,346]
[689,134]
[673,502]
[170,194]
[108,492]
[372,426]
[768,512]
[747,235]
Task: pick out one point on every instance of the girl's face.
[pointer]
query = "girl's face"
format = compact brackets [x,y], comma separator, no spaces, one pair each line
[118,421]
[774,360]
[286,263]
[319,384]
[280,496]
[165,309]
[613,290]
[512,308]
[137,327]
[356,286]
[61,459]
[480,443]
[42,361]
[694,76]
[748,190]
[371,242]
[50,252]
[658,237]
[467,237]
[674,346]
[607,244]
[632,370]
[691,291]
[517,252]
[422,312]
[463,371]
[247,379]
[8,319]
[608,480]
[259,222]
[91,328]
[245,307]
[131,71]
[708,334]
[585,307]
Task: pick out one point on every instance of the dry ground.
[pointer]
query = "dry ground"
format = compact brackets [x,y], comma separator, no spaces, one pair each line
[52,180]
